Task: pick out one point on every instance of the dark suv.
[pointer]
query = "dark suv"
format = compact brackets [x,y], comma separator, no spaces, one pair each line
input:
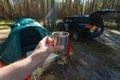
[82,26]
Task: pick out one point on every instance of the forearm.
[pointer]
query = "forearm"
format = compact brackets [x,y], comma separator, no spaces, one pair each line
[21,69]
[14,71]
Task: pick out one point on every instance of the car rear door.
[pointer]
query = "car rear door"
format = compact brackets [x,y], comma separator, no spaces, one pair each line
[96,20]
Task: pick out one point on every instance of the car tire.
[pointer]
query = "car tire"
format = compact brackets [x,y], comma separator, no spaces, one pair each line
[75,35]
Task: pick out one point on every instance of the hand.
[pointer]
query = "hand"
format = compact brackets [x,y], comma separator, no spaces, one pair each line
[45,45]
[43,50]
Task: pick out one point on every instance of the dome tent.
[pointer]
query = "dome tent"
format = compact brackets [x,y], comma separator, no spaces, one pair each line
[24,36]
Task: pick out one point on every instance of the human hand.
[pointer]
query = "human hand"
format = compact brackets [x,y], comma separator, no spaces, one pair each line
[42,51]
[46,46]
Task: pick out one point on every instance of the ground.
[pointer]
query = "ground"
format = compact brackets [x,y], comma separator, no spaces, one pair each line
[92,59]
[4,34]
[111,38]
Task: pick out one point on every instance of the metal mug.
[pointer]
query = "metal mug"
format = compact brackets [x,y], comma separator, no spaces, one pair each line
[60,38]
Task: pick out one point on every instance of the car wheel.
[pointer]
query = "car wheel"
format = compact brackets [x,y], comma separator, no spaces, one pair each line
[75,35]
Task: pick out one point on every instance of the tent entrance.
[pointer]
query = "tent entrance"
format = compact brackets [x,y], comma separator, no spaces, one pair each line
[29,38]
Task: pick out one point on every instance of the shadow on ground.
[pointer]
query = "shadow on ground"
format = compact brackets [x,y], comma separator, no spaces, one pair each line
[91,60]
[111,38]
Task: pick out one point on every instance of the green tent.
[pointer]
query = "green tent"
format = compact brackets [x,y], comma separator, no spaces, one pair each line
[24,36]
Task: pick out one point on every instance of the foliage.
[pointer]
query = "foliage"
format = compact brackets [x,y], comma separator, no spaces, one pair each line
[15,9]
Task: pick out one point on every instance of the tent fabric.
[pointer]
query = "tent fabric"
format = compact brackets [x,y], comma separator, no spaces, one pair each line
[24,36]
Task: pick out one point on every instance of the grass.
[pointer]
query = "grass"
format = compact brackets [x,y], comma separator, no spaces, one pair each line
[3,26]
[114,65]
[104,53]
[5,23]
[111,25]
[91,45]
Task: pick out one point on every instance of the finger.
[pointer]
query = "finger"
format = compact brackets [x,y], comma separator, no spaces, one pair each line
[49,41]
[58,48]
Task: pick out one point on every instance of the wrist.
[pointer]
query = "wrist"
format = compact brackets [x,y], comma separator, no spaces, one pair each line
[37,58]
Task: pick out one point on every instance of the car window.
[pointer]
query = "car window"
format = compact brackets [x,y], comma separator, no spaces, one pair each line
[83,20]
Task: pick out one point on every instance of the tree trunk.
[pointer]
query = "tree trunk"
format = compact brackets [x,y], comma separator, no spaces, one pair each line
[113,4]
[43,11]
[53,14]
[83,11]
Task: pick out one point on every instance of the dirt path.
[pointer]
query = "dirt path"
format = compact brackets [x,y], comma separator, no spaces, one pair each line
[111,38]
[4,34]
[92,61]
